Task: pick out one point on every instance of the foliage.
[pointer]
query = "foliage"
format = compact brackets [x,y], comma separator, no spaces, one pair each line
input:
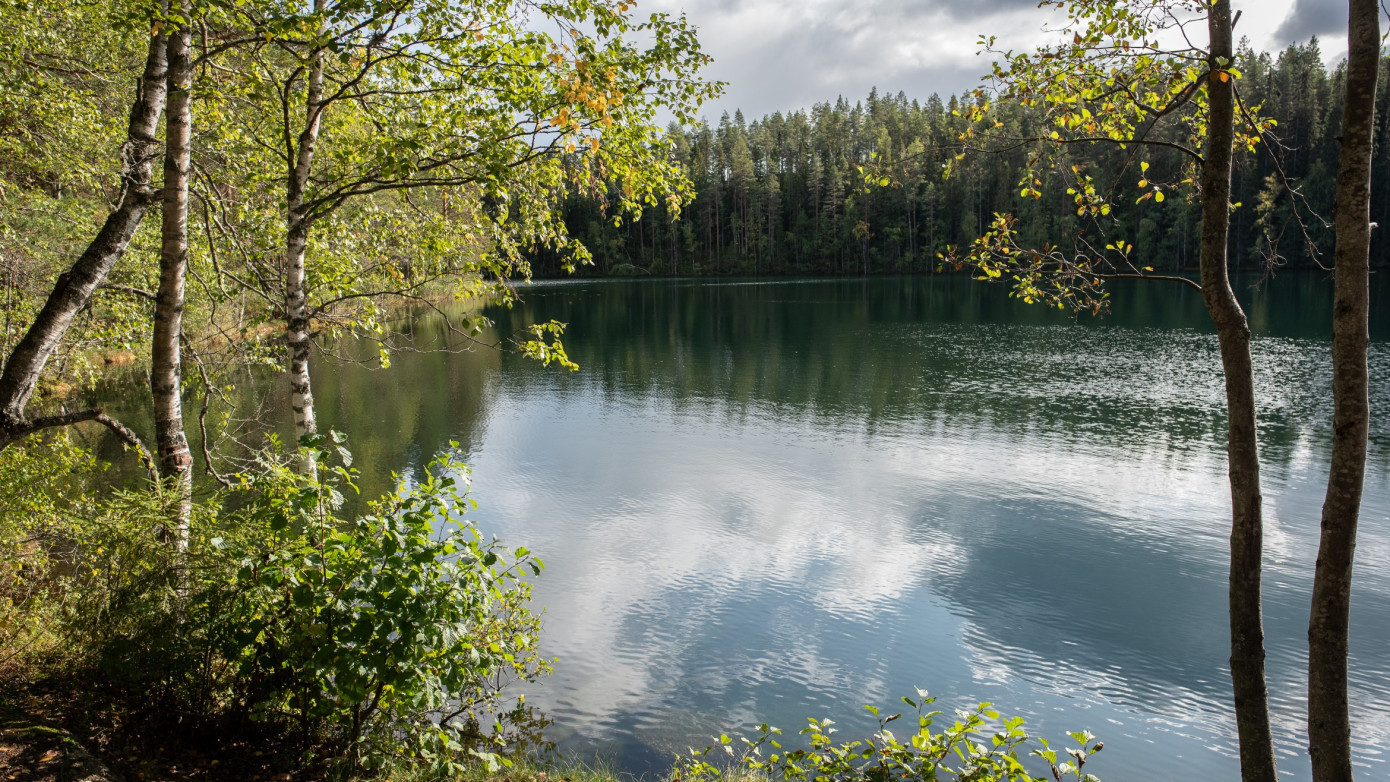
[34,477]
[76,569]
[63,95]
[976,747]
[66,69]
[383,639]
[389,636]
[1115,83]
[448,130]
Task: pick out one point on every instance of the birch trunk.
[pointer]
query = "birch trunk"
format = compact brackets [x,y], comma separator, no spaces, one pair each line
[175,459]
[75,287]
[296,246]
[1329,724]
[1242,452]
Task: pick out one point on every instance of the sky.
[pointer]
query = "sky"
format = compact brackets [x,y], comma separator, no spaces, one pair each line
[781,55]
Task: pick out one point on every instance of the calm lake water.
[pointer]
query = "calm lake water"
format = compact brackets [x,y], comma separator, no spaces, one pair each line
[781,499]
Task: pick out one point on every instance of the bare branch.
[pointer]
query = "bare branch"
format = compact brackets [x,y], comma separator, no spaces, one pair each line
[130,289]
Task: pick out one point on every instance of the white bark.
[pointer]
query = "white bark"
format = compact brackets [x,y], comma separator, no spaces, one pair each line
[297,325]
[175,458]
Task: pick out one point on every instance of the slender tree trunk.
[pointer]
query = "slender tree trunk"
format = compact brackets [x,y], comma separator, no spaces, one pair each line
[718,230]
[175,459]
[912,233]
[1329,724]
[931,238]
[75,287]
[709,222]
[296,245]
[1242,453]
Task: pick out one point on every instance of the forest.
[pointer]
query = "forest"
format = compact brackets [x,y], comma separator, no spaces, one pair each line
[786,194]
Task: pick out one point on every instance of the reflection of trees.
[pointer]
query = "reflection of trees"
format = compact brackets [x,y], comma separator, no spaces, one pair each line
[888,352]
[396,419]
[399,418]
[894,351]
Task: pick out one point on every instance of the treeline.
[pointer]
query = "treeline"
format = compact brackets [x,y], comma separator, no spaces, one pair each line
[787,194]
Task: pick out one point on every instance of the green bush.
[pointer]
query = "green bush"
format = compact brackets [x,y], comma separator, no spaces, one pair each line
[71,551]
[382,639]
[388,637]
[976,747]
[34,478]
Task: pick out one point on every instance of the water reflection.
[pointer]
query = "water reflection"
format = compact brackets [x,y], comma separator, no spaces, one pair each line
[763,501]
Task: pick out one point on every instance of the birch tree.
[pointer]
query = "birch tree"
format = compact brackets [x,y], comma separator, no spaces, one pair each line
[493,105]
[73,290]
[171,442]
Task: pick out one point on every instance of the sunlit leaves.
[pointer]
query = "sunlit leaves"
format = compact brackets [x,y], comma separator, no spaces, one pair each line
[448,133]
[392,633]
[976,745]
[1125,78]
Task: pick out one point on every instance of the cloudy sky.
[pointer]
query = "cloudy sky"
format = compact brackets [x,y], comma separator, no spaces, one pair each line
[788,54]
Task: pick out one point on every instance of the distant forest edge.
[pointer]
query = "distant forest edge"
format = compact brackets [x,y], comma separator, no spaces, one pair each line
[784,194]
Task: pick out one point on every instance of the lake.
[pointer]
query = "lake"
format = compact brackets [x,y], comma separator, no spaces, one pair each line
[768,500]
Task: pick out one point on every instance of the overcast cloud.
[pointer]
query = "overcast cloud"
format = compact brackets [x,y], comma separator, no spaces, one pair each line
[1314,17]
[782,55]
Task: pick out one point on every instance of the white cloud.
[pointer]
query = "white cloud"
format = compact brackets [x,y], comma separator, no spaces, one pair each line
[784,55]
[778,56]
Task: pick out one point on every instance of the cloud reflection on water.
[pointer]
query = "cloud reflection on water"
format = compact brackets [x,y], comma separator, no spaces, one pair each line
[768,502]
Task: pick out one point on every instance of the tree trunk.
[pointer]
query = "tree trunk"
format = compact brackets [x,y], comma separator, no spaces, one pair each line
[75,287]
[1329,725]
[296,245]
[1242,452]
[175,459]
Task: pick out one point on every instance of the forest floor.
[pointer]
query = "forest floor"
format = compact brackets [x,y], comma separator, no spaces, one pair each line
[35,752]
[76,732]
[71,732]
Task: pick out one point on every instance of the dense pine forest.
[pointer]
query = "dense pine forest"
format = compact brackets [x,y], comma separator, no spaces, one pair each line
[786,194]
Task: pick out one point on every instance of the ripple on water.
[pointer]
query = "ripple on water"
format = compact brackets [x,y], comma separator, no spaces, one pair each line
[1030,514]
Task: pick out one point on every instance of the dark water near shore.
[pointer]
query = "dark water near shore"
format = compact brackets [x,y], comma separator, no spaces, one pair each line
[773,500]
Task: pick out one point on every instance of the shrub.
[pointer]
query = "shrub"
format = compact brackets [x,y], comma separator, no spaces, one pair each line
[34,477]
[976,747]
[386,637]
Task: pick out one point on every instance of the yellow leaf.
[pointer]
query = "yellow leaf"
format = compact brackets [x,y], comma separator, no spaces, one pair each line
[1158,196]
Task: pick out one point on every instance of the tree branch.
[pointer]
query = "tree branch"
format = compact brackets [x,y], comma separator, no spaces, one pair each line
[132,290]
[122,432]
